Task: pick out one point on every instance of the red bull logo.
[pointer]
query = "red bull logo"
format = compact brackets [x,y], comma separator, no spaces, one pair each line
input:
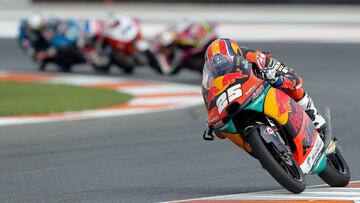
[213,92]
[283,103]
[296,118]
[231,78]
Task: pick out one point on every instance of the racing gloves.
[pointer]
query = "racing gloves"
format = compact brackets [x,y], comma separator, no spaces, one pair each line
[270,72]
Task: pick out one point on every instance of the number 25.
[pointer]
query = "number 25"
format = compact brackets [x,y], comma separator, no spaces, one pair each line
[230,95]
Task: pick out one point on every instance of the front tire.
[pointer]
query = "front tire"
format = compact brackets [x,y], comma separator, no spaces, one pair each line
[290,176]
[153,62]
[336,172]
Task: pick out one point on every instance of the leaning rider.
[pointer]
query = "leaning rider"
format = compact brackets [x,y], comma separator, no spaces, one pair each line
[223,51]
[31,34]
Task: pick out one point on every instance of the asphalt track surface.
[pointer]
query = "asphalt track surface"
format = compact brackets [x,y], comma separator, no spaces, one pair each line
[161,157]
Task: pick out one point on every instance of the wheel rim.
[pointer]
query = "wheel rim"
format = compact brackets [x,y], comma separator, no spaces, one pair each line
[288,164]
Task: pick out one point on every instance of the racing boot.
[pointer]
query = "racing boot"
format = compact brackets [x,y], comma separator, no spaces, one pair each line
[319,122]
[308,106]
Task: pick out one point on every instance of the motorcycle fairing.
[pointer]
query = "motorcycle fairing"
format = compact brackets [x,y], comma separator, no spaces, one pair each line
[280,107]
[124,36]
[308,144]
[247,82]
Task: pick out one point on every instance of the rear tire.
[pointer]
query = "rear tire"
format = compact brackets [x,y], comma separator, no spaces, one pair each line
[269,163]
[336,172]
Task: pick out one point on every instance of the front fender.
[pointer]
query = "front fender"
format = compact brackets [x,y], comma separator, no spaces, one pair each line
[285,111]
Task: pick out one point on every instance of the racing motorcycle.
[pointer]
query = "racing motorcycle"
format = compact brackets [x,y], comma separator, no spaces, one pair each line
[271,127]
[173,56]
[124,46]
[62,49]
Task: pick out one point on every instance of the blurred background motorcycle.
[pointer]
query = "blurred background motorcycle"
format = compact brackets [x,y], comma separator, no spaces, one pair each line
[123,44]
[183,46]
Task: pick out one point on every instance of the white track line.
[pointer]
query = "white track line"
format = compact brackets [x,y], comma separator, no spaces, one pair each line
[320,192]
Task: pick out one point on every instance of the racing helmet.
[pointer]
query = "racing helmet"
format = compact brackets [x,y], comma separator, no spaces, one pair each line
[112,20]
[36,21]
[167,37]
[222,56]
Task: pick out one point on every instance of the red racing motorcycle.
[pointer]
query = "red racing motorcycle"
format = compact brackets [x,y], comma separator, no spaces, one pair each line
[123,44]
[271,127]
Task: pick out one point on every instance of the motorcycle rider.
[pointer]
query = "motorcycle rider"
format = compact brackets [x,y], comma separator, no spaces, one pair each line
[32,37]
[221,52]
[186,37]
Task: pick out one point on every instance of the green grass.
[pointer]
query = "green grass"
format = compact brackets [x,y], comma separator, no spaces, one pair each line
[19,98]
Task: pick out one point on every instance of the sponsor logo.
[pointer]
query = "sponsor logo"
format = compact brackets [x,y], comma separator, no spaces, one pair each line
[258,91]
[313,156]
[257,101]
[218,124]
[250,89]
[213,116]
[318,147]
[269,130]
[283,102]
[214,119]
[309,136]
[213,92]
[231,78]
[296,118]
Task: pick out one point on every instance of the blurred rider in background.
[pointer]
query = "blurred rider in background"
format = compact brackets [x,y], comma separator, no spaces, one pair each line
[221,53]
[32,34]
[185,40]
[63,48]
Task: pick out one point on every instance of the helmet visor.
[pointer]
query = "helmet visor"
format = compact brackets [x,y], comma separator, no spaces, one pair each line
[220,67]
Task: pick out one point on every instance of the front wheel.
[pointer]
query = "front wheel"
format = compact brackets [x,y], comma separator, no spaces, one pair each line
[336,172]
[152,61]
[283,168]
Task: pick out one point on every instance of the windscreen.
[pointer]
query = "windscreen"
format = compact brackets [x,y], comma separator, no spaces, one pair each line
[210,72]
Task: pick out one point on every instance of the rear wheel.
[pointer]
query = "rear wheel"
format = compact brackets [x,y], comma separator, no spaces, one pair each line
[282,167]
[336,172]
